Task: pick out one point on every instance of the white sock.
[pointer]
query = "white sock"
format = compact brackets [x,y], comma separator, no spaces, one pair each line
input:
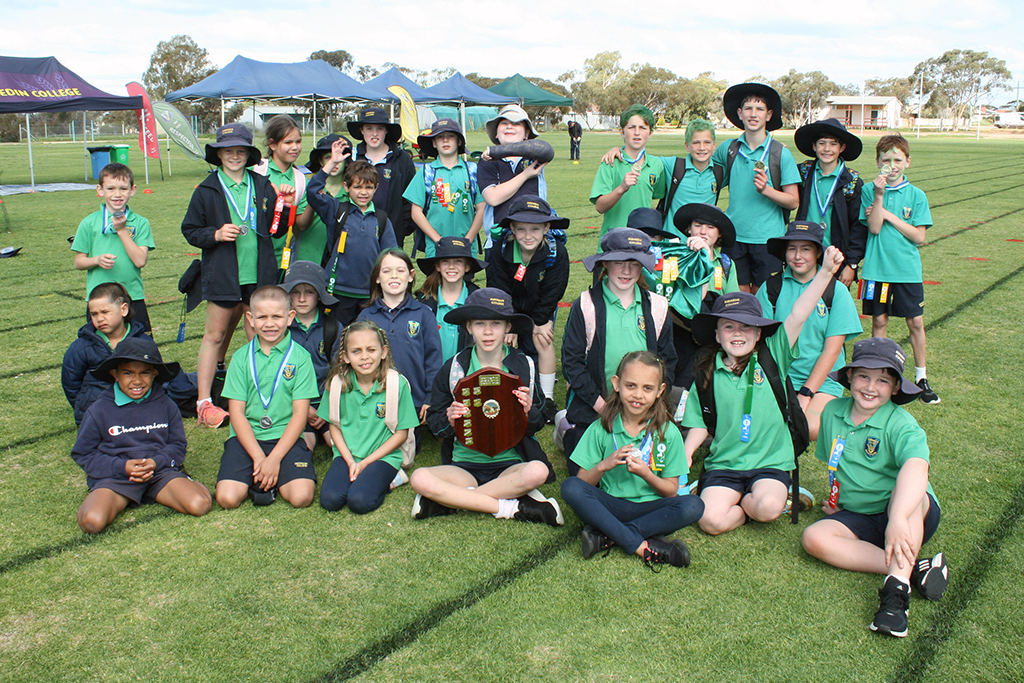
[547,385]
[507,507]
[919,374]
[902,579]
[199,404]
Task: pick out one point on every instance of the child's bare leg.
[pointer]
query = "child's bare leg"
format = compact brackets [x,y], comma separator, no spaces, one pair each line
[220,322]
[516,481]
[186,496]
[766,500]
[917,339]
[833,543]
[879,323]
[230,494]
[722,511]
[298,492]
[545,357]
[99,509]
[310,439]
[449,486]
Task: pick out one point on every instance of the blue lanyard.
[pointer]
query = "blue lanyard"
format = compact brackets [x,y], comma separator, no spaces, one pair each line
[249,205]
[277,380]
[767,146]
[638,159]
[823,205]
[900,186]
[109,223]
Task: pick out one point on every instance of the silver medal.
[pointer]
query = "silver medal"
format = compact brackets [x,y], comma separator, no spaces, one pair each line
[266,422]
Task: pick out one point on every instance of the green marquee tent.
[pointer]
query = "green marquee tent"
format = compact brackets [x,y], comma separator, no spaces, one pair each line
[530,94]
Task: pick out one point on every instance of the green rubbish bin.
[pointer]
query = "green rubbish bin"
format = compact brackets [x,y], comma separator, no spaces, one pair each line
[119,154]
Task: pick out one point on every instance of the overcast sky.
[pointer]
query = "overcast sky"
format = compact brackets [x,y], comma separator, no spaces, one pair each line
[734,40]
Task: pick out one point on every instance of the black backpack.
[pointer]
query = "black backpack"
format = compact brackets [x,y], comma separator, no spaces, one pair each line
[774,166]
[773,285]
[678,171]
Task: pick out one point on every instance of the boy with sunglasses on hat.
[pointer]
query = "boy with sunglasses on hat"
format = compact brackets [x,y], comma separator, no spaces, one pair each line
[450,205]
[881,508]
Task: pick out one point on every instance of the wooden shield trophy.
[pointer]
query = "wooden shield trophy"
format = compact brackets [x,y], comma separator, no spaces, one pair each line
[496,420]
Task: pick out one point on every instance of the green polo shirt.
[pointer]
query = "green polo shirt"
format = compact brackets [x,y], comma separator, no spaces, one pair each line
[624,329]
[314,240]
[824,185]
[298,381]
[770,444]
[362,419]
[842,321]
[462,454]
[597,444]
[757,218]
[246,246]
[449,332]
[103,335]
[123,399]
[447,223]
[649,187]
[279,178]
[890,256]
[873,454]
[694,187]
[92,240]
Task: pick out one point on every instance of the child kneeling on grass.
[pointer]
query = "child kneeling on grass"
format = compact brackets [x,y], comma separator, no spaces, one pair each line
[132,441]
[630,464]
[881,509]
[504,485]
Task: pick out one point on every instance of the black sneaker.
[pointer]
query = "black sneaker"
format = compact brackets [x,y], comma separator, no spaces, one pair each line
[549,410]
[927,395]
[930,577]
[893,608]
[543,511]
[594,542]
[660,550]
[424,507]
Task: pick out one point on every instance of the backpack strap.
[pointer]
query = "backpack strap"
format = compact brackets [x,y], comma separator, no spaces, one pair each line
[774,287]
[678,171]
[708,408]
[330,334]
[533,371]
[775,169]
[734,148]
[719,177]
[334,402]
[455,373]
[391,400]
[589,318]
[471,166]
[659,311]
[726,263]
[428,184]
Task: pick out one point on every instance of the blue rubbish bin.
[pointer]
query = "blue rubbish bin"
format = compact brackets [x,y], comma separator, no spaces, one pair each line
[100,157]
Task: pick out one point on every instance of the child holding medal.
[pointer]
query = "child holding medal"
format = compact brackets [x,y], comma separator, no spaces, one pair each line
[269,385]
[229,218]
[630,464]
[284,145]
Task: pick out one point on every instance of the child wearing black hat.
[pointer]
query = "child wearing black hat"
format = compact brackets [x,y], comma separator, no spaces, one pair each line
[830,192]
[312,244]
[444,194]
[446,287]
[881,508]
[132,441]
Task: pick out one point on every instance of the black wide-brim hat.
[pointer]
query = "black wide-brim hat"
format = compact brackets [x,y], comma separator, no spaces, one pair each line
[739,306]
[323,146]
[375,115]
[426,141]
[705,213]
[452,247]
[141,349]
[650,222]
[530,208]
[309,273]
[806,136]
[624,244]
[191,285]
[798,231]
[733,100]
[879,353]
[490,303]
[232,135]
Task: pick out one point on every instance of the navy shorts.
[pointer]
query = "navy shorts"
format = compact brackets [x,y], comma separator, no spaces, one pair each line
[871,528]
[246,290]
[752,262]
[488,471]
[236,465]
[742,481]
[139,493]
[902,299]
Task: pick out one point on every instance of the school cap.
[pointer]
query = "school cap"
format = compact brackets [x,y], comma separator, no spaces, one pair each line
[375,115]
[490,303]
[806,136]
[650,222]
[232,135]
[705,213]
[733,100]
[452,247]
[738,306]
[623,244]
[141,349]
[529,208]
[426,141]
[798,230]
[879,353]
[513,113]
[8,252]
[323,146]
[309,273]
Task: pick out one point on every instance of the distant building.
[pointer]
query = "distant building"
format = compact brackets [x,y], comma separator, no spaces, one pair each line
[880,113]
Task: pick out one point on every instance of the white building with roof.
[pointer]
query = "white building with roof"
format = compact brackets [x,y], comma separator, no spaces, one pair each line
[880,113]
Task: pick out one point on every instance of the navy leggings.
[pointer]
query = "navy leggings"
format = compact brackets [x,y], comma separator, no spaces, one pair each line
[625,522]
[363,495]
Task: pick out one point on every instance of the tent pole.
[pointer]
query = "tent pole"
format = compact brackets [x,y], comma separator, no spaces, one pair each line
[222,110]
[169,173]
[145,145]
[31,167]
[85,148]
[314,119]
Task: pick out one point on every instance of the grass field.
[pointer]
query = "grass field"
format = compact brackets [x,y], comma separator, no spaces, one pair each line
[277,594]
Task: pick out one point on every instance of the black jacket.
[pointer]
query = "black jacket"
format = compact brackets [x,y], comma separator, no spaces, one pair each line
[403,170]
[538,293]
[207,212]
[84,355]
[848,233]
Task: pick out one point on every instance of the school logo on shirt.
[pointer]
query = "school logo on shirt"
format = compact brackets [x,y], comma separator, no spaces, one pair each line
[320,349]
[821,309]
[714,187]
[908,211]
[654,179]
[641,324]
[380,410]
[467,186]
[758,377]
[289,371]
[871,446]
[414,328]
[387,174]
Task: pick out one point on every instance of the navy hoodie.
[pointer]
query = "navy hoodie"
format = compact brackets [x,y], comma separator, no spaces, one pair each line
[83,356]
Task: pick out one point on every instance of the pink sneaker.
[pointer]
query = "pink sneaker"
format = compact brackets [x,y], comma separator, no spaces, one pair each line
[212,416]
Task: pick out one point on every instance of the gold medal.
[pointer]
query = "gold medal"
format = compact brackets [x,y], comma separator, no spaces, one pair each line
[638,166]
[759,165]
[886,170]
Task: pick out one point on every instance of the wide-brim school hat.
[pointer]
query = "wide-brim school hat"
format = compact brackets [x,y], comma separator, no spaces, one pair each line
[232,135]
[490,303]
[191,285]
[452,247]
[8,252]
[141,349]
[738,306]
[650,222]
[323,146]
[515,114]
[705,213]
[798,231]
[375,115]
[875,354]
[309,273]
[529,208]
[624,244]
[733,100]
[426,141]
[806,136]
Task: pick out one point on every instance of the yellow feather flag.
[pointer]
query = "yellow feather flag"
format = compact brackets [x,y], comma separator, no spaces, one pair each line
[407,117]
